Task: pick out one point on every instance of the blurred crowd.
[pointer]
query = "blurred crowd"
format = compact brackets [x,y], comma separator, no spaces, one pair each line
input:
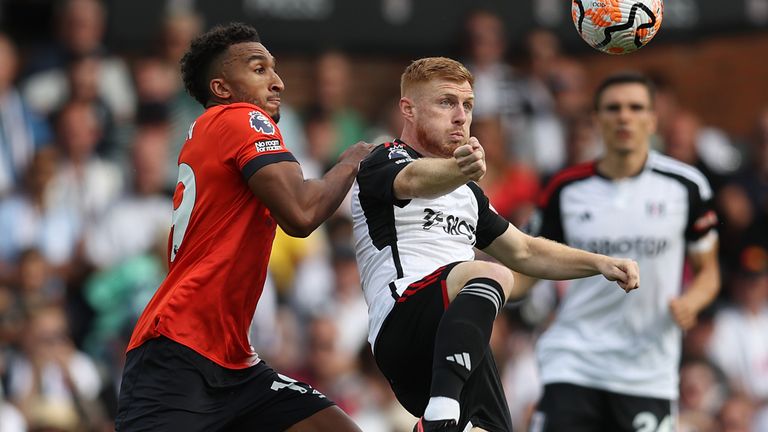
[88,148]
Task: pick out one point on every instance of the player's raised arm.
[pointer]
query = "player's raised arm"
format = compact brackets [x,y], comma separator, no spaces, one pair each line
[433,177]
[541,258]
[298,205]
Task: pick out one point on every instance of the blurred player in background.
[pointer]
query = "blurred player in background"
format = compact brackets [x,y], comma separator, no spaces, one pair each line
[610,362]
[418,213]
[189,365]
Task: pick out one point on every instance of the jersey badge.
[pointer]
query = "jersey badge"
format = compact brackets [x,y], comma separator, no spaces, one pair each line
[261,123]
[397,152]
[656,209]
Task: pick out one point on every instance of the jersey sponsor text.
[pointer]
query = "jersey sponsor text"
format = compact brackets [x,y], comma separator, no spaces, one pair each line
[623,246]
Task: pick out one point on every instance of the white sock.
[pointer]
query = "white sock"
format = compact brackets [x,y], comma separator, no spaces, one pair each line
[442,408]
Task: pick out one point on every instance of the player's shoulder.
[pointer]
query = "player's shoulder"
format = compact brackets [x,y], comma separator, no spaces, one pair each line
[396,151]
[243,115]
[680,171]
[565,177]
[239,108]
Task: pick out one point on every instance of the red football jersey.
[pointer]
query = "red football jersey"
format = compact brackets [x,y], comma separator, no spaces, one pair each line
[221,237]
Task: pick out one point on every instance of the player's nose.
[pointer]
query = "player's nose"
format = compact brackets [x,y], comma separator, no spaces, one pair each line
[459,116]
[277,84]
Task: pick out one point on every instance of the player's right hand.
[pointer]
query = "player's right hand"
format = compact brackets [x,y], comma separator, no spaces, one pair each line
[356,153]
[470,158]
[625,272]
[683,312]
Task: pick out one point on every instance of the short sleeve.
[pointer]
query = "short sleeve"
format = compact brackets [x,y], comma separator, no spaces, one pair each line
[376,178]
[489,224]
[250,139]
[548,222]
[702,219]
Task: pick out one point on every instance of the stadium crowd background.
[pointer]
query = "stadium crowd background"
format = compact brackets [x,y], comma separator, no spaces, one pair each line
[89,137]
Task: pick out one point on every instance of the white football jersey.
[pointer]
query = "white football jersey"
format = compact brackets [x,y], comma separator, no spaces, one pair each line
[398,242]
[603,337]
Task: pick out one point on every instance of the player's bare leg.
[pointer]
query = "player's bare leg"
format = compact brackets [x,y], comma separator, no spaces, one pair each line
[331,419]
[466,271]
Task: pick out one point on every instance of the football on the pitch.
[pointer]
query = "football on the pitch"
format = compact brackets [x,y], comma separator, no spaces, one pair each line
[617,26]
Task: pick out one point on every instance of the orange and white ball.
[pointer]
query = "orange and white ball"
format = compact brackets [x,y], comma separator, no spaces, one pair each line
[617,26]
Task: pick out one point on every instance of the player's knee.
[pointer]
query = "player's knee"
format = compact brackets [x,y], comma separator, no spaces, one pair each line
[499,273]
[506,279]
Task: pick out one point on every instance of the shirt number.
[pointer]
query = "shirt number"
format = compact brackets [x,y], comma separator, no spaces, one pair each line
[183,212]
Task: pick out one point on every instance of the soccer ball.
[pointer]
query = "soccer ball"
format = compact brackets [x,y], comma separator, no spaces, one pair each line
[617,26]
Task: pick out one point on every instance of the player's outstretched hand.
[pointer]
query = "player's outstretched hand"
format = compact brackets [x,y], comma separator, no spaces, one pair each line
[471,159]
[625,272]
[356,153]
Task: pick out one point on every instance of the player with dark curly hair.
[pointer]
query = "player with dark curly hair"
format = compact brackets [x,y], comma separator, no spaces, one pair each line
[189,364]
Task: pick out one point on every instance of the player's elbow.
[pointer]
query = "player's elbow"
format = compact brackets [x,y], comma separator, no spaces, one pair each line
[298,230]
[403,188]
[425,194]
[522,249]
[298,225]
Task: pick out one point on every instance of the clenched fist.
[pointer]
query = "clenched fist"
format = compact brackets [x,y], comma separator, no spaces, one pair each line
[625,272]
[471,159]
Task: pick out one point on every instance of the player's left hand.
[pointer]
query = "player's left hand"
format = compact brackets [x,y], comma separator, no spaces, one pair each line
[625,272]
[683,312]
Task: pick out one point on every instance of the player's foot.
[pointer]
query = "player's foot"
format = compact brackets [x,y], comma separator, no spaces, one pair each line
[435,426]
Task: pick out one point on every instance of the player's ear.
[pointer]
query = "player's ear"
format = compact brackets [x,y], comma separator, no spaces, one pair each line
[406,107]
[219,89]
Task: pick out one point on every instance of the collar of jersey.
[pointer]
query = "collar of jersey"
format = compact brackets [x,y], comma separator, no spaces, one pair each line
[646,166]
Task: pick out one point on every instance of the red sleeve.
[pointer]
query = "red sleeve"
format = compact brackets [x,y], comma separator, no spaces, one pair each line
[250,139]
